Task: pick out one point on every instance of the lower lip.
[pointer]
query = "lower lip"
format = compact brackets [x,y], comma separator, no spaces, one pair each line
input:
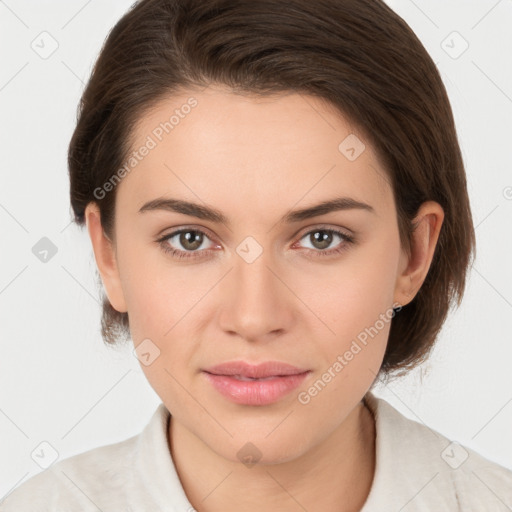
[256,392]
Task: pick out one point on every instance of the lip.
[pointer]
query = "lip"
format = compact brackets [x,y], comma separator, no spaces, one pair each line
[280,380]
[255,371]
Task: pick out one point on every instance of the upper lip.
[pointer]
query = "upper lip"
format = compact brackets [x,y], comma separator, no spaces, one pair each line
[262,370]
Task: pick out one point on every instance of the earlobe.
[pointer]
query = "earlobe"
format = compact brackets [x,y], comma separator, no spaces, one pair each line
[415,266]
[106,260]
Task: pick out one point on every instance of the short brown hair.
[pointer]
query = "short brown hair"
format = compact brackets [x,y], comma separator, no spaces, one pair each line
[358,55]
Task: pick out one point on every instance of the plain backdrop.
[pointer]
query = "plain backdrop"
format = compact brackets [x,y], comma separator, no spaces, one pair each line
[63,392]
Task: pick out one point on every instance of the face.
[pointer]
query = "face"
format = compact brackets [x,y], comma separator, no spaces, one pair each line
[258,282]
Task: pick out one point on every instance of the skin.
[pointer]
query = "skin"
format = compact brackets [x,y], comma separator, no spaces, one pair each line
[255,160]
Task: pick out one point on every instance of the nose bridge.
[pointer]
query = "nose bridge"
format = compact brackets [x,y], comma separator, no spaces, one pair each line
[254,278]
[258,303]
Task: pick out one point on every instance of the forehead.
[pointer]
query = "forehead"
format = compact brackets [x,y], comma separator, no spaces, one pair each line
[213,144]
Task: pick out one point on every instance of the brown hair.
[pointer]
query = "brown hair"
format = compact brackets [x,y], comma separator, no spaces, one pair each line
[358,55]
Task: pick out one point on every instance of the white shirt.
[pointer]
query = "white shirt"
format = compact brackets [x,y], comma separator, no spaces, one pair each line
[417,469]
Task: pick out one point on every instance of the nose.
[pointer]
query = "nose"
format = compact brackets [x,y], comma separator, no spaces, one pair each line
[255,302]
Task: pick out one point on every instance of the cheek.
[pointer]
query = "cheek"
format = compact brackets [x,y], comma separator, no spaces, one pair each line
[158,291]
[160,308]
[162,299]
[353,301]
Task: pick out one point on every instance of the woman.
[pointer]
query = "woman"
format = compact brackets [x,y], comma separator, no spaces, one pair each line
[277,204]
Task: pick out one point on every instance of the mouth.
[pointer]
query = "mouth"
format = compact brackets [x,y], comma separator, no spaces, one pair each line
[246,371]
[248,379]
[261,384]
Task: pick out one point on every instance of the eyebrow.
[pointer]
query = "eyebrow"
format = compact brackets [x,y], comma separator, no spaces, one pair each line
[214,215]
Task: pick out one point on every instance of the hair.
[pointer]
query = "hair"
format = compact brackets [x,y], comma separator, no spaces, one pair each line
[357,55]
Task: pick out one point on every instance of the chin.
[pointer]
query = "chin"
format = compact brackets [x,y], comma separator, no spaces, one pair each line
[260,452]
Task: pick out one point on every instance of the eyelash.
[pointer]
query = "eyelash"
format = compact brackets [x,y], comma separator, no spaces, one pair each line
[176,253]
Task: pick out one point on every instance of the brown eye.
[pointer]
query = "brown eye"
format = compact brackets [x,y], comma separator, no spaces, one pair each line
[190,240]
[321,239]
[186,243]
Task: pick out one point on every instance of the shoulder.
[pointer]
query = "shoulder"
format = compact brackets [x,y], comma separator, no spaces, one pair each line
[418,465]
[77,483]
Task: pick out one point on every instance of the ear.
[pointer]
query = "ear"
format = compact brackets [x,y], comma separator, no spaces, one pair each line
[414,267]
[106,259]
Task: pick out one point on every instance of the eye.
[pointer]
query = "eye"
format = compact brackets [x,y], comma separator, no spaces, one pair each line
[190,239]
[192,242]
[322,238]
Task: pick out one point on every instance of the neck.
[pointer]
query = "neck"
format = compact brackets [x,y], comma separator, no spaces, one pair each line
[334,475]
